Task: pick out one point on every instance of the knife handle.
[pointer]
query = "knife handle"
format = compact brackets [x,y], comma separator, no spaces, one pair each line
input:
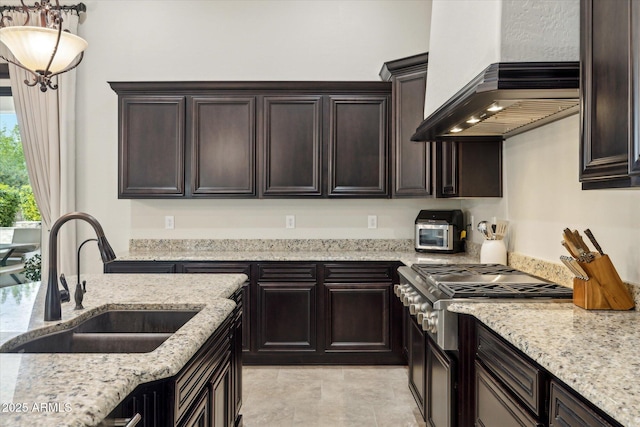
[593,240]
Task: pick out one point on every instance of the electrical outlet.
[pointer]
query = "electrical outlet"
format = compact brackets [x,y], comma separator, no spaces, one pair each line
[473,223]
[169,222]
[372,221]
[290,221]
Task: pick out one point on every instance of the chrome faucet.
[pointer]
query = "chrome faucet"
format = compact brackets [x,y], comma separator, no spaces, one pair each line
[52,308]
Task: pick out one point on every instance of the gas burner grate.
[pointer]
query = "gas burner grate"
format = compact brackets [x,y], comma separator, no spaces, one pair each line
[433,269]
[505,290]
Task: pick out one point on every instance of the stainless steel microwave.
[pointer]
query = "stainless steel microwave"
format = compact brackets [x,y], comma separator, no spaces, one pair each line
[439,231]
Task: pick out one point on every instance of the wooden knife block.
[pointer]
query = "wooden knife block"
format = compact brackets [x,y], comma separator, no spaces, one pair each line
[604,290]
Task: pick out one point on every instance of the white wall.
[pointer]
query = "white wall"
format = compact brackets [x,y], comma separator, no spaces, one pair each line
[233,40]
[543,196]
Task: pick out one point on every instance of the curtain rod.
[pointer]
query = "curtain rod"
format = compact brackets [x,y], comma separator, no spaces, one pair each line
[78,8]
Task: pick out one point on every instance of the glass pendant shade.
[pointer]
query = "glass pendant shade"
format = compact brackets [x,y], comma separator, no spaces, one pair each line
[33,46]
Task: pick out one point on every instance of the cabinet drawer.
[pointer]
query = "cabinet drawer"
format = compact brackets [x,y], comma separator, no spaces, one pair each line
[193,378]
[566,409]
[358,272]
[518,374]
[287,272]
[494,407]
[217,267]
[140,267]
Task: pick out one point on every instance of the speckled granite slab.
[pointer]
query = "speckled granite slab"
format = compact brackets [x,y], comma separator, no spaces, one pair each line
[594,352]
[82,389]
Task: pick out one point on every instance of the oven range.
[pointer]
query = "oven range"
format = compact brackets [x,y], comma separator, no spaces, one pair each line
[428,289]
[435,353]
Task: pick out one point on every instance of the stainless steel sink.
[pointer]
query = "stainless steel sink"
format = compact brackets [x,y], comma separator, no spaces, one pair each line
[115,331]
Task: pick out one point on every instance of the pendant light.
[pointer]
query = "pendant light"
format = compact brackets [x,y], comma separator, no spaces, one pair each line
[46,50]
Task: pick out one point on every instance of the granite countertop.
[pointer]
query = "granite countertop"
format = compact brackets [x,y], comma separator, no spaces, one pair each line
[594,352]
[406,257]
[82,389]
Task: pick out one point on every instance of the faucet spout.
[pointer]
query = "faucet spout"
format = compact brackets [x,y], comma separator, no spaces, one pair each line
[52,308]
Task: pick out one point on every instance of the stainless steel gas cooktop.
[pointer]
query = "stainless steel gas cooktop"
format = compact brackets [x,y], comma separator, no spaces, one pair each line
[488,281]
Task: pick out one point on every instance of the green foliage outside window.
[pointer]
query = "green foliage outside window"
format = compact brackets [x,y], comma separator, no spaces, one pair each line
[9,205]
[16,194]
[28,204]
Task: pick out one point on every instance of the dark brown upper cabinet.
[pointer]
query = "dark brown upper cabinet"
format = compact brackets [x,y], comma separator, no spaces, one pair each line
[253,139]
[152,146]
[610,94]
[358,145]
[292,146]
[410,161]
[469,168]
[223,148]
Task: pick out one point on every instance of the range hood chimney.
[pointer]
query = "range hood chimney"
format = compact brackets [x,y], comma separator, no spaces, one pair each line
[524,56]
[505,99]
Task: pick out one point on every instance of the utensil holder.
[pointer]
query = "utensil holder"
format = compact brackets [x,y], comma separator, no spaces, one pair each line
[493,252]
[604,290]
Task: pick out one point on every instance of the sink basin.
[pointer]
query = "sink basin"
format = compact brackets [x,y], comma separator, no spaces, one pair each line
[115,331]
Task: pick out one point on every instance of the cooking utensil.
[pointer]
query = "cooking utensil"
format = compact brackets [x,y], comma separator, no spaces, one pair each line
[483,229]
[593,241]
[574,267]
[490,232]
[501,229]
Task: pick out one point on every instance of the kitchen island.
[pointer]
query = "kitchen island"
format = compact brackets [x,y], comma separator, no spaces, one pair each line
[82,389]
[593,352]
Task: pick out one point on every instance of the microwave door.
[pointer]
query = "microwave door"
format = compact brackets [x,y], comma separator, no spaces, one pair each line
[434,237]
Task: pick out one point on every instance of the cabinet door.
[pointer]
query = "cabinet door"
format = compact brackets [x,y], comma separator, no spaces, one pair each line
[494,406]
[223,146]
[221,397]
[286,307]
[411,160]
[151,147]
[286,316]
[200,413]
[469,169]
[357,317]
[609,70]
[417,362]
[567,410]
[358,146]
[291,148]
[440,409]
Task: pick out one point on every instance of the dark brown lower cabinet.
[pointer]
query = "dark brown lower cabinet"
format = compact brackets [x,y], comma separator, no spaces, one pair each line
[417,344]
[568,410]
[512,390]
[440,402]
[308,312]
[202,394]
[494,407]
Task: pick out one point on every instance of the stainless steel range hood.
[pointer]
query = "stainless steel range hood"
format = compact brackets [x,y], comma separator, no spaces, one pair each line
[505,99]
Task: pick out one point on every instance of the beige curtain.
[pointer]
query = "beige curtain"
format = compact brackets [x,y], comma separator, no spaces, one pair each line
[47,128]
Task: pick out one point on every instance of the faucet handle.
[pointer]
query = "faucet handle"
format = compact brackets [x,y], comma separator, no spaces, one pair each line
[65,296]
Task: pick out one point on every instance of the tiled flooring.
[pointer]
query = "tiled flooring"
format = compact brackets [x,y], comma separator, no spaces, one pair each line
[349,396]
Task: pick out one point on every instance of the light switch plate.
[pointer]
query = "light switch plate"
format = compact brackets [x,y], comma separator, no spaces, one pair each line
[169,222]
[372,221]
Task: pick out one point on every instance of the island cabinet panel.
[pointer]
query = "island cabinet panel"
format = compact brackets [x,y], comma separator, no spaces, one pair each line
[292,146]
[567,409]
[223,152]
[610,94]
[440,403]
[358,146]
[152,146]
[201,394]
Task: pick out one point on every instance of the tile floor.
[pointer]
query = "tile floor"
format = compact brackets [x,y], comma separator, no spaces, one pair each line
[349,396]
